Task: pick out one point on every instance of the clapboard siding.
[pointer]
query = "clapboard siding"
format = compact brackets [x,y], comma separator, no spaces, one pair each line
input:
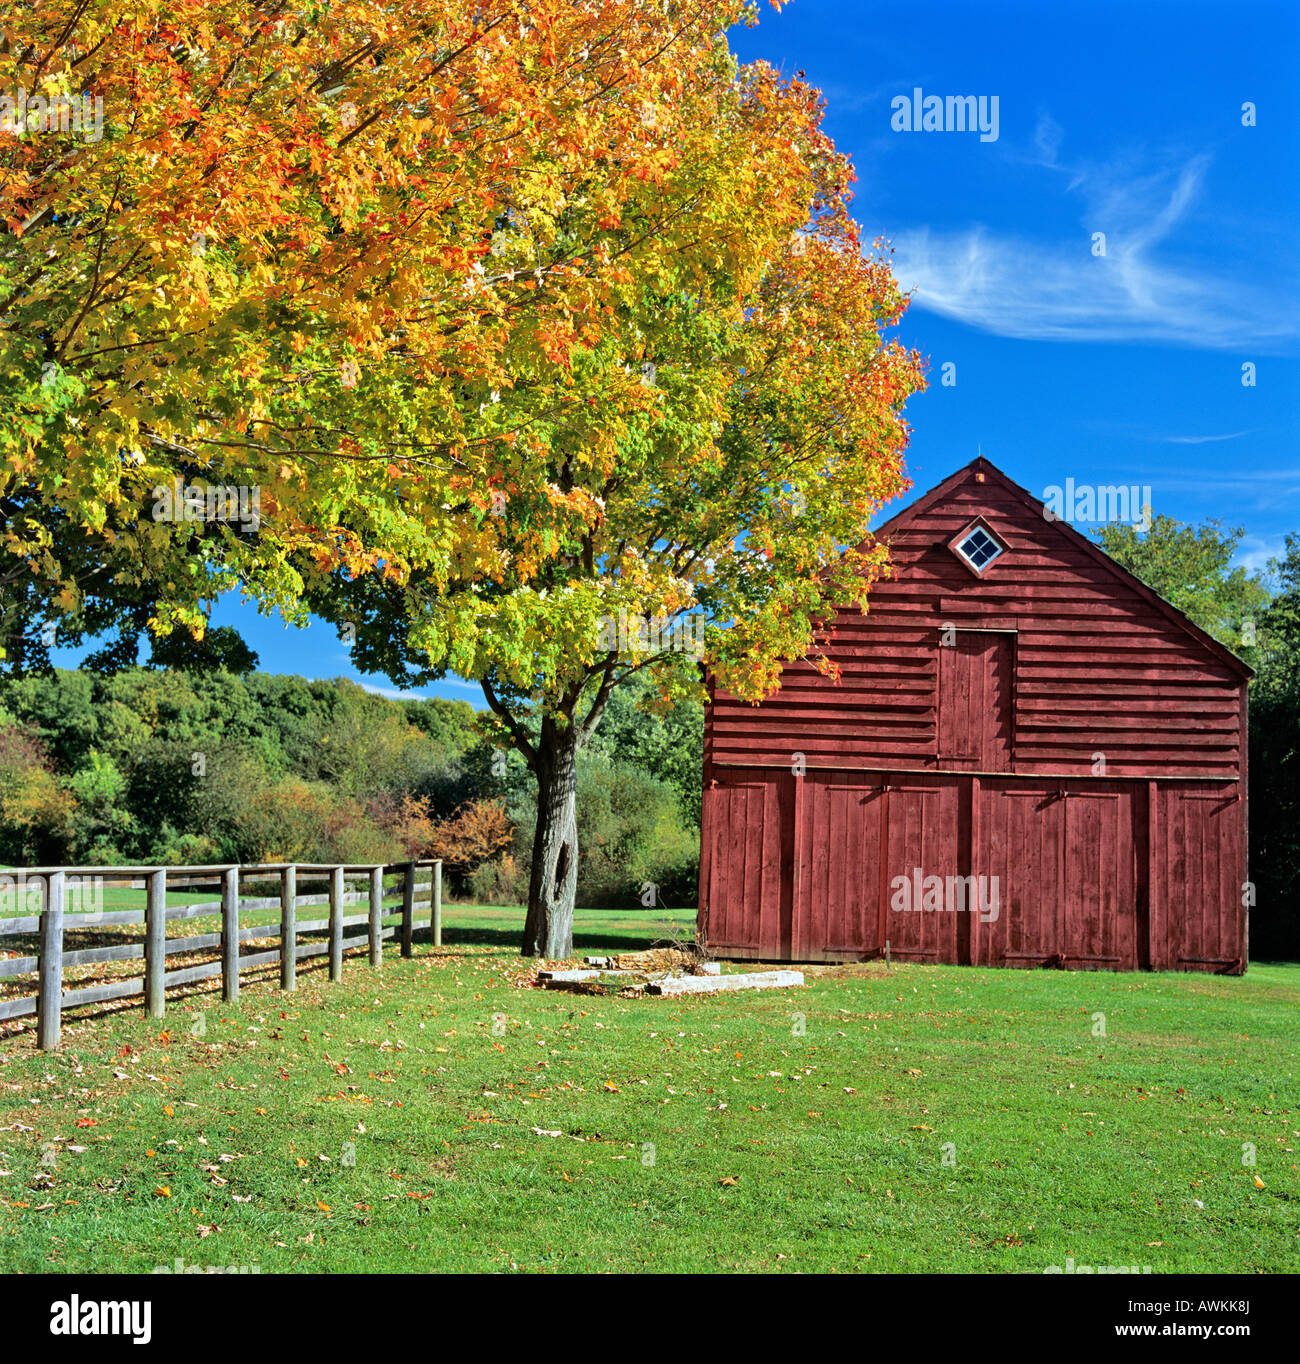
[1164,706]
[1051,726]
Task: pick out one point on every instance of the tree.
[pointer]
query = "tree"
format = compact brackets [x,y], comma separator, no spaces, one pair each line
[475,834]
[1191,568]
[717,519]
[318,264]
[522,326]
[1275,767]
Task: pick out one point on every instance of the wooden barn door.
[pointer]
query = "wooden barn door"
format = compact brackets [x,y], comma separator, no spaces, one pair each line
[1198,869]
[838,883]
[746,873]
[861,834]
[975,675]
[1066,869]
[925,825]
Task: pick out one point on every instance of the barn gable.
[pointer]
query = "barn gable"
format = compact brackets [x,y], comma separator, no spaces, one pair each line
[1101,664]
[1013,710]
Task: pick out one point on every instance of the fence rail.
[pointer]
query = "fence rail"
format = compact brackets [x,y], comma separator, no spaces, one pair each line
[52,924]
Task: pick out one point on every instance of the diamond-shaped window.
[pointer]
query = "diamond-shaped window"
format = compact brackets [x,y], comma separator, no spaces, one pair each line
[978,547]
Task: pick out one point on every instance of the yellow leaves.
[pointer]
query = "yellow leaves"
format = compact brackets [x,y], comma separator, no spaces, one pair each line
[165,1191]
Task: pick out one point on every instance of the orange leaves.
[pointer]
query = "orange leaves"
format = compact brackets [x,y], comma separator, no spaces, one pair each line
[318,289]
[477,833]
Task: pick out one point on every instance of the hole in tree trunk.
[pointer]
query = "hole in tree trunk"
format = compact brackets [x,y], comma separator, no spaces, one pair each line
[561,869]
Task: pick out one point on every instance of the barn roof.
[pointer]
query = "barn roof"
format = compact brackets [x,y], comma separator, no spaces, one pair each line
[981,465]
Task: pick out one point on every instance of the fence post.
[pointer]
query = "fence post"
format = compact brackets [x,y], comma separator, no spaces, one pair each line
[436,896]
[49,1003]
[289,928]
[408,910]
[336,924]
[230,935]
[376,916]
[155,945]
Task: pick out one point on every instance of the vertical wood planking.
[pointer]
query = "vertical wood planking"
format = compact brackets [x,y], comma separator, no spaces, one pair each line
[336,923]
[376,916]
[408,910]
[289,928]
[436,897]
[49,1002]
[155,945]
[1243,866]
[230,935]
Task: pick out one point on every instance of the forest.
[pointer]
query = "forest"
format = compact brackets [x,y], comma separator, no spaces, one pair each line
[163,765]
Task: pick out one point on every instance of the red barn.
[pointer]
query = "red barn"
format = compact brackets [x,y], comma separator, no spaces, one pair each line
[1030,759]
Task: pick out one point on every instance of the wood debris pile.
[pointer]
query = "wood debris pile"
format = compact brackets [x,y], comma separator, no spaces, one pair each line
[659,971]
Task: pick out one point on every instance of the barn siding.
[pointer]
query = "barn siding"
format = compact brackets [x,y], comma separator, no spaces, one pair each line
[1097,668]
[1087,752]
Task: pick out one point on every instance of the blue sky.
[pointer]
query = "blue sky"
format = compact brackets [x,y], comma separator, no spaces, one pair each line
[1122,119]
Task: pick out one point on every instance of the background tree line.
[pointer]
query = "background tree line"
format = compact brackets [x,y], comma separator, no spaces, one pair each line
[168,765]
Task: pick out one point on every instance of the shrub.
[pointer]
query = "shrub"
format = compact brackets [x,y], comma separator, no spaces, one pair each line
[37,810]
[499,882]
[631,833]
[475,834]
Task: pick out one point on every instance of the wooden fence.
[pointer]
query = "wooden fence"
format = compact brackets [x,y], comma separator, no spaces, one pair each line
[52,923]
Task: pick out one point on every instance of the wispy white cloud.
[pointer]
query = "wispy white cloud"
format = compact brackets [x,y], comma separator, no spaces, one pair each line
[1199,440]
[1255,551]
[1015,285]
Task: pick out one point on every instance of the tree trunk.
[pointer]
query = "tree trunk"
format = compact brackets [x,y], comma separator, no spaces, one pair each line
[548,930]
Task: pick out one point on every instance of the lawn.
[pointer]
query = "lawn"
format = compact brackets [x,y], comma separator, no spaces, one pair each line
[444,1115]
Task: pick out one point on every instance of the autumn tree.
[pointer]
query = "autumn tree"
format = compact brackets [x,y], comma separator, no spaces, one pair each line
[527,324]
[312,251]
[476,833]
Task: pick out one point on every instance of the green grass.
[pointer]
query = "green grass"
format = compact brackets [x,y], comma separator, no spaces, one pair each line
[774,1147]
